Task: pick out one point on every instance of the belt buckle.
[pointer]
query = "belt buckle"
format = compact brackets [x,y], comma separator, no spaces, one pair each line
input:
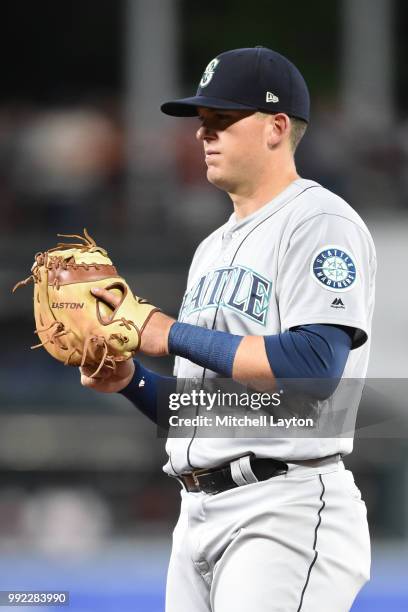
[198,472]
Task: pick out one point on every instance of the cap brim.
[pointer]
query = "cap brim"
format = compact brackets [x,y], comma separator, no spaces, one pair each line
[187,107]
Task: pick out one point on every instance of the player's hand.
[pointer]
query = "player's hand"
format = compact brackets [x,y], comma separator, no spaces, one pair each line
[155,335]
[108,380]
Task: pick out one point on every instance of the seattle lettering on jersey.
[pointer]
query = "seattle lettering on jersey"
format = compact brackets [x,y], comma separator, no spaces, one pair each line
[237,288]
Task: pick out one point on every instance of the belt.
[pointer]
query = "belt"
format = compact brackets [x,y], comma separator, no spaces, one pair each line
[239,472]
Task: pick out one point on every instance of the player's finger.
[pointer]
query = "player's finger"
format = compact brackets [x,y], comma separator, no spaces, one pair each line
[106,296]
[88,371]
[88,382]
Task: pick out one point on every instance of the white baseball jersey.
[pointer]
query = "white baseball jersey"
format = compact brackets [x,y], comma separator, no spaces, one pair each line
[304,258]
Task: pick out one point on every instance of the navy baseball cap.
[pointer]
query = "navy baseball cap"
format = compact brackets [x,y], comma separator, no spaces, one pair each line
[254,78]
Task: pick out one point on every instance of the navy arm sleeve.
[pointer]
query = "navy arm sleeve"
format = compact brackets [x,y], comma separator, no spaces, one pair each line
[142,390]
[315,352]
[308,351]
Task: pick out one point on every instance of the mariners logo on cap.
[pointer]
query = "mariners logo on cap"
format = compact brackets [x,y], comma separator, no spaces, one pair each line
[209,72]
[334,268]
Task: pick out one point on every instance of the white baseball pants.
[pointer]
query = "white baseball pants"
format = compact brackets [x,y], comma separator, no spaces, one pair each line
[297,542]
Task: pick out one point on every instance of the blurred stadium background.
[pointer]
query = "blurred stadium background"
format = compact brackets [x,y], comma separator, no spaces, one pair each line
[84,505]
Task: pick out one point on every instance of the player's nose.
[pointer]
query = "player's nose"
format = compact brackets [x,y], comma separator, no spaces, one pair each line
[205,133]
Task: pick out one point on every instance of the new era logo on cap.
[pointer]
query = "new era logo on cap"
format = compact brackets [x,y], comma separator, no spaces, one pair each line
[270,97]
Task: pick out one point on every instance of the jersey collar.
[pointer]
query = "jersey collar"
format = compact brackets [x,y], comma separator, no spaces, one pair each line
[283,198]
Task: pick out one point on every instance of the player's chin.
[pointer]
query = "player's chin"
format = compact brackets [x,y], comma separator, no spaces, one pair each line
[218,178]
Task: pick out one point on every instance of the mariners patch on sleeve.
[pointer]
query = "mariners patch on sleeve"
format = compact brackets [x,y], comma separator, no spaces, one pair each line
[334,268]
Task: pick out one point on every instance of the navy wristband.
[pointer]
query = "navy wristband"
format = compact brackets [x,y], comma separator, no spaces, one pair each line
[208,348]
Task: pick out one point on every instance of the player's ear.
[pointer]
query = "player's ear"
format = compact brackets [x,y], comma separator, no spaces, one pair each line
[278,127]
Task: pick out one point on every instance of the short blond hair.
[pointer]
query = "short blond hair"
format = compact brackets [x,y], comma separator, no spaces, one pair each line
[297,130]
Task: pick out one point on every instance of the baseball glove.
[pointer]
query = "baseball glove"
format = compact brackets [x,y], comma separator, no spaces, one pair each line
[74,326]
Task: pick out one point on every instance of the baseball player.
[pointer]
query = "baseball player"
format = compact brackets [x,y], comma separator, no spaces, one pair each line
[284,289]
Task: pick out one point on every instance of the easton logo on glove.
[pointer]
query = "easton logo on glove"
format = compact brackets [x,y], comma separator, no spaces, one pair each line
[73,325]
[72,305]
